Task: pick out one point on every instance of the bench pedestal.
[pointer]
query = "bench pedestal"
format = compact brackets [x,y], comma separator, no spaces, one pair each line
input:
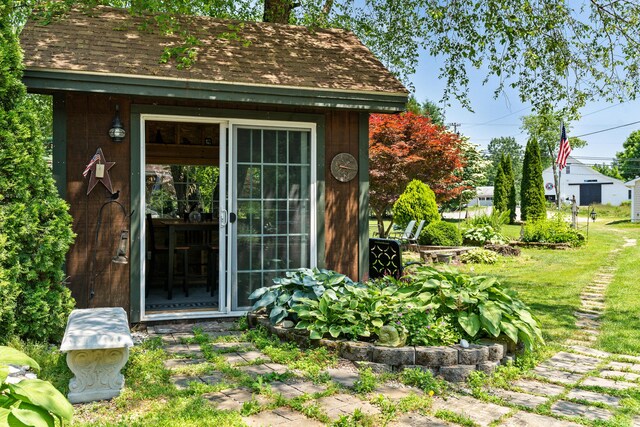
[97,342]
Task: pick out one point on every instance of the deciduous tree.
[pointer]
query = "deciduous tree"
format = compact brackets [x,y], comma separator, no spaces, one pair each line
[629,158]
[404,147]
[502,146]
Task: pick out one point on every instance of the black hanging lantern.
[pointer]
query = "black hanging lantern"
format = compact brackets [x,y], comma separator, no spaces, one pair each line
[593,215]
[117,131]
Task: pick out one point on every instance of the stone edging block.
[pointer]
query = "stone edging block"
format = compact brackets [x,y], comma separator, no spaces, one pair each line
[473,355]
[394,356]
[436,356]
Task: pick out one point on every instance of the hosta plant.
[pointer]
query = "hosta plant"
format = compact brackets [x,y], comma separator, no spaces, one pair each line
[478,235]
[479,304]
[30,402]
[479,256]
[303,284]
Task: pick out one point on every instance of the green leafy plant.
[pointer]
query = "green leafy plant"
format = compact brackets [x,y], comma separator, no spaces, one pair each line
[424,380]
[441,233]
[417,202]
[366,381]
[495,220]
[552,231]
[479,304]
[479,256]
[478,235]
[425,327]
[30,402]
[303,284]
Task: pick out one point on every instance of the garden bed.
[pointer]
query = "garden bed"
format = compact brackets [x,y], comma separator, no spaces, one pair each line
[431,254]
[543,245]
[453,363]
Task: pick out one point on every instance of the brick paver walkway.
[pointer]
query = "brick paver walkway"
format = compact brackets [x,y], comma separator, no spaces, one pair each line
[574,386]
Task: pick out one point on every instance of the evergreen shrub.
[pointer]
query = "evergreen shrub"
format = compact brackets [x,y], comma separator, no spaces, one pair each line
[35,226]
[441,233]
[552,231]
[417,202]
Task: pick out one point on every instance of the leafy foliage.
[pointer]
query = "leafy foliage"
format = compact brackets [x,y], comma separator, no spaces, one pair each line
[473,175]
[35,236]
[408,147]
[500,194]
[29,402]
[478,303]
[629,158]
[479,256]
[510,187]
[441,233]
[495,220]
[552,231]
[504,146]
[417,202]
[532,205]
[453,304]
[478,235]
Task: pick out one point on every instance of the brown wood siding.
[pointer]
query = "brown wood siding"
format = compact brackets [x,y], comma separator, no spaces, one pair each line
[341,198]
[88,120]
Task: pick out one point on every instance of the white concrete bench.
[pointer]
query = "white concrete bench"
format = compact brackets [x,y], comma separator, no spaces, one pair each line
[97,342]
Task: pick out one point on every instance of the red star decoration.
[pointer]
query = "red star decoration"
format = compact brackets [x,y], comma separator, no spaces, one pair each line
[106,179]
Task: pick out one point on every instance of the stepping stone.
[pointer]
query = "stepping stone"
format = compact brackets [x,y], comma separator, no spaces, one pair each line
[344,404]
[590,351]
[182,381]
[517,398]
[413,419]
[287,391]
[578,342]
[619,374]
[177,349]
[623,366]
[592,296]
[395,393]
[556,375]
[235,346]
[216,335]
[255,370]
[343,377]
[234,399]
[526,419]
[481,413]
[537,387]
[593,397]
[179,363]
[570,409]
[571,362]
[213,378]
[583,315]
[277,367]
[585,323]
[607,383]
[280,417]
[307,387]
[252,356]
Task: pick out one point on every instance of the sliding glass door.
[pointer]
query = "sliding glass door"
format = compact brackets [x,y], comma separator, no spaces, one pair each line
[272,204]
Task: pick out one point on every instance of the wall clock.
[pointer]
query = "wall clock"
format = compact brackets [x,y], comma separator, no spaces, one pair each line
[344,167]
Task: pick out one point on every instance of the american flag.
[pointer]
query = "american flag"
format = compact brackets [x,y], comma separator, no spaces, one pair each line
[94,159]
[564,151]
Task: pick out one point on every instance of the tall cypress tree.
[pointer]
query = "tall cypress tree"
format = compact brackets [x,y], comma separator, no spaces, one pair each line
[532,201]
[500,195]
[35,226]
[510,183]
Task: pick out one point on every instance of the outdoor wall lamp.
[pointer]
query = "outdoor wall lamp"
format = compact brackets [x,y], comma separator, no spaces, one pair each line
[117,132]
[593,214]
[121,253]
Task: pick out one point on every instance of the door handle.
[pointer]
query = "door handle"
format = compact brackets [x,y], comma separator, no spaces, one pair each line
[223,217]
[232,217]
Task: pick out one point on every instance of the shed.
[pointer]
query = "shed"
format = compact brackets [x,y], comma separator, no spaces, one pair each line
[223,179]
[634,186]
[586,184]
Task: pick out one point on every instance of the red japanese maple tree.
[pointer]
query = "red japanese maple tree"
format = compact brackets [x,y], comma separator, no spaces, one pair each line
[403,147]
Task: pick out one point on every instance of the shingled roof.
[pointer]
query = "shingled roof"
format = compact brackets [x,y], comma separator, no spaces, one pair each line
[112,42]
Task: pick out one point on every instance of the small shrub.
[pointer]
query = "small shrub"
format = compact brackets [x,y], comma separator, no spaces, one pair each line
[424,380]
[552,231]
[504,250]
[367,381]
[481,234]
[441,233]
[418,202]
[479,256]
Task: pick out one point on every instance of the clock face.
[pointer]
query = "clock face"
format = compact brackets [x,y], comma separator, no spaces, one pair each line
[344,167]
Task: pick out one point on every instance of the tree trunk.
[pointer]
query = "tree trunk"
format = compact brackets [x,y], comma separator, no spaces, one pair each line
[278,11]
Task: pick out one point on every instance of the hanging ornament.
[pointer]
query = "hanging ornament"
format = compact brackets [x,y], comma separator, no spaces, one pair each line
[99,169]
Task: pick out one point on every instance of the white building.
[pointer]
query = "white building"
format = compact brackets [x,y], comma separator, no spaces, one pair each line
[484,197]
[586,184]
[634,184]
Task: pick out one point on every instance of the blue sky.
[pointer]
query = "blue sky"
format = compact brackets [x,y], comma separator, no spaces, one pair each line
[502,117]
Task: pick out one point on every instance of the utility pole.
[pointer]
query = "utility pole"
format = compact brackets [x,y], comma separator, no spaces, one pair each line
[455,125]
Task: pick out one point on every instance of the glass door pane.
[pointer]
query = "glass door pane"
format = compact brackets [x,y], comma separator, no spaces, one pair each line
[272,190]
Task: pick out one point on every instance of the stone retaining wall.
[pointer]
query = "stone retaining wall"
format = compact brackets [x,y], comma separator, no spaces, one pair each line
[454,363]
